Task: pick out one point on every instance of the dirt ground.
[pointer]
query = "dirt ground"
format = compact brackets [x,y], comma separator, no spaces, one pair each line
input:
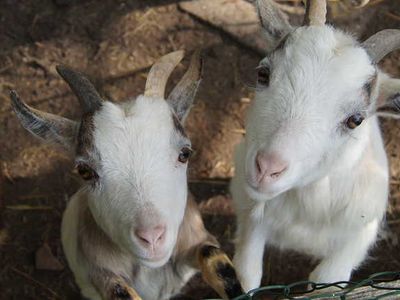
[115,42]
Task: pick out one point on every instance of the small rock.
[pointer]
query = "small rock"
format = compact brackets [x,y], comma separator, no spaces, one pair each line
[45,260]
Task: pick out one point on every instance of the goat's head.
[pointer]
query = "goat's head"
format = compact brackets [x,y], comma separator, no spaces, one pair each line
[315,94]
[133,156]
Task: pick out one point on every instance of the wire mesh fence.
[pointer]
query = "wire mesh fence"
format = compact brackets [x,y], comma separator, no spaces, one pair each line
[384,285]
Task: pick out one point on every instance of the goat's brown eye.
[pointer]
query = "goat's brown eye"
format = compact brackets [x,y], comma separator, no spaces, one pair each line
[263,75]
[86,172]
[184,155]
[354,121]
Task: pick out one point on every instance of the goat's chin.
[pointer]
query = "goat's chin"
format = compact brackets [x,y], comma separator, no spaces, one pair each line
[155,262]
[263,194]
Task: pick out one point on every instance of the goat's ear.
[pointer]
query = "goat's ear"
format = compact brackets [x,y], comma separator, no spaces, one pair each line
[182,96]
[48,127]
[273,20]
[388,101]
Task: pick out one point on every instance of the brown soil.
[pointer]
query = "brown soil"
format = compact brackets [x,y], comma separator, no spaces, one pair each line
[114,42]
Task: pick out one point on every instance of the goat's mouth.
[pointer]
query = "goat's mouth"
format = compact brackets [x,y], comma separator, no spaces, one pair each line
[258,194]
[259,186]
[261,192]
[155,261]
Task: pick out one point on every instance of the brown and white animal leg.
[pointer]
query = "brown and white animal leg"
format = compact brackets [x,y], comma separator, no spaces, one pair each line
[112,286]
[199,249]
[217,270]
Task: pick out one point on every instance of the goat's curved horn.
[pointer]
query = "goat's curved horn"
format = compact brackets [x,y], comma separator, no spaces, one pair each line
[159,73]
[315,13]
[87,94]
[382,43]
[182,96]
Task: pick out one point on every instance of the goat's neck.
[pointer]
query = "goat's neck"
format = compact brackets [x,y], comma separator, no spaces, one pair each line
[99,248]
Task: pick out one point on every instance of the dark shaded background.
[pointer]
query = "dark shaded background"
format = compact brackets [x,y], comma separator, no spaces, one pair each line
[115,42]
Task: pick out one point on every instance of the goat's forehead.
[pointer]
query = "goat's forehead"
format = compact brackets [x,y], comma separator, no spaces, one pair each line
[317,48]
[140,124]
[318,67]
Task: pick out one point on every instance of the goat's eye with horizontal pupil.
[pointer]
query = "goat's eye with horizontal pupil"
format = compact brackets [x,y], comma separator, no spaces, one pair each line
[354,121]
[263,75]
[184,155]
[86,172]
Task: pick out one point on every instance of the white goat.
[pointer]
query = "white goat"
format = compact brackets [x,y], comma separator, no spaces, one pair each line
[129,231]
[312,173]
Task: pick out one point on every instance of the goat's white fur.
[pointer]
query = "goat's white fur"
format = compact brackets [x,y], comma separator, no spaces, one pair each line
[331,200]
[139,150]
[141,181]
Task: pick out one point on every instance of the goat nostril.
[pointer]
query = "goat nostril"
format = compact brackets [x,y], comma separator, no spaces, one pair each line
[144,240]
[151,236]
[261,167]
[269,166]
[161,237]
[277,174]
[259,170]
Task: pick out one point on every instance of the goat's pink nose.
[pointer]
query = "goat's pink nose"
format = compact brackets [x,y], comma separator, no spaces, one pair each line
[151,237]
[269,166]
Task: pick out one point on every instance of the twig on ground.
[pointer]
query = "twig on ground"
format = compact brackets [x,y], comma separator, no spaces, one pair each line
[28,207]
[37,283]
[393,16]
[394,222]
[240,131]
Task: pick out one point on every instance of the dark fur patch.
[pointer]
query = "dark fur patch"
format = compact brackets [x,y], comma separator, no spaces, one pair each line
[208,251]
[85,135]
[178,125]
[86,151]
[232,285]
[307,14]
[369,86]
[121,292]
